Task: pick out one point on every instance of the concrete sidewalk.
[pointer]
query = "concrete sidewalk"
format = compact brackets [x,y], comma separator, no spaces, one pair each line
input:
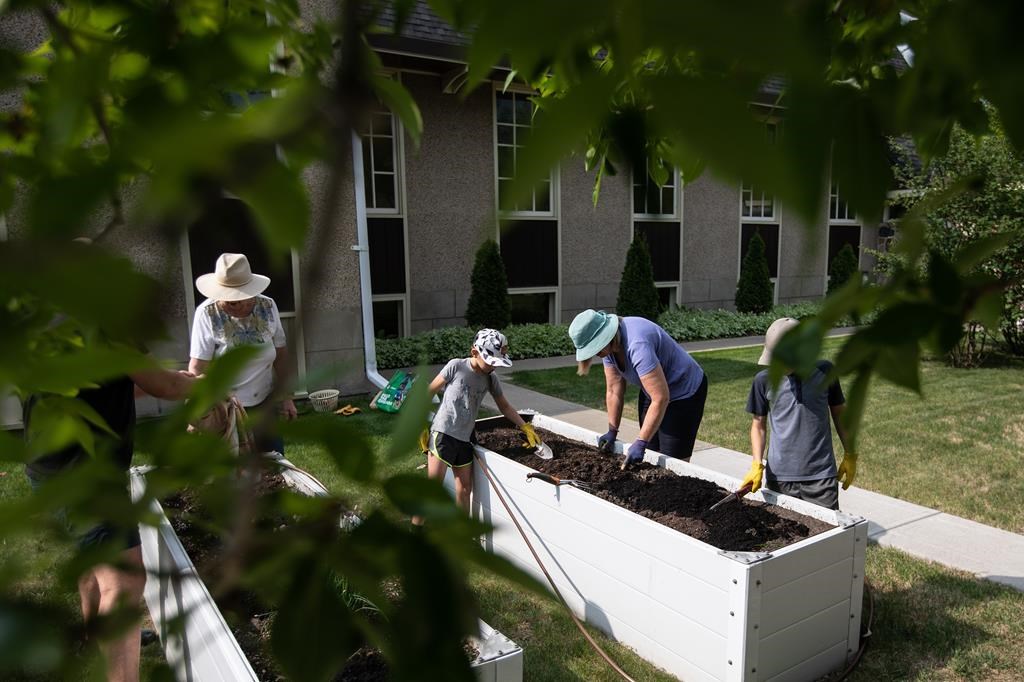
[929,534]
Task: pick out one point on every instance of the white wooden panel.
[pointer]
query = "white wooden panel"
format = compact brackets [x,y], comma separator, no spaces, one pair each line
[790,564]
[674,548]
[825,631]
[10,411]
[690,596]
[603,601]
[744,604]
[802,598]
[813,668]
[860,542]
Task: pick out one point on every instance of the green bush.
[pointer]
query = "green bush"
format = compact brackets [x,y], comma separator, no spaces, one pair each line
[842,268]
[441,345]
[638,296]
[488,304]
[754,291]
[552,340]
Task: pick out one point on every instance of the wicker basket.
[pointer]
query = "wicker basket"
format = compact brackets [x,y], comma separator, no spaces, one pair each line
[325,400]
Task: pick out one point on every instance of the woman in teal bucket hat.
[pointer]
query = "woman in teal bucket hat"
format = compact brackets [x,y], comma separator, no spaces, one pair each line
[673,387]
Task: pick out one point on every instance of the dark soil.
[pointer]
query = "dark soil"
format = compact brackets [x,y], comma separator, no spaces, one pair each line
[679,502]
[249,618]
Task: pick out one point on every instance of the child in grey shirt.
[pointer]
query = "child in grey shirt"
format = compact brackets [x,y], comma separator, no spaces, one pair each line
[465,382]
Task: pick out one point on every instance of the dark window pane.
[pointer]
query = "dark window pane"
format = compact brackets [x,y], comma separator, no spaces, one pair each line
[383,154]
[506,162]
[639,198]
[506,134]
[384,186]
[367,175]
[841,235]
[529,249]
[387,319]
[387,255]
[523,110]
[653,198]
[505,108]
[227,226]
[505,195]
[668,204]
[381,123]
[530,309]
[542,197]
[770,235]
[523,134]
[666,297]
[663,242]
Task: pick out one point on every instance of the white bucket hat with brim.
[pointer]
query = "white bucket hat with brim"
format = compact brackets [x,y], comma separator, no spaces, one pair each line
[591,331]
[772,337]
[232,280]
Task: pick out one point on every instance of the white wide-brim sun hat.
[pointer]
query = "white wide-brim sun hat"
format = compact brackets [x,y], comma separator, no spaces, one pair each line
[232,279]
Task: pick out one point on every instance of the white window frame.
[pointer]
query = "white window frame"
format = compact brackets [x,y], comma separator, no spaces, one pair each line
[555,301]
[834,197]
[398,159]
[834,194]
[553,176]
[675,217]
[778,256]
[396,131]
[752,191]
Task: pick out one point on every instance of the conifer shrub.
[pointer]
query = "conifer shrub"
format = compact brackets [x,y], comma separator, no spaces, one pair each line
[638,297]
[754,292]
[488,304]
[842,268]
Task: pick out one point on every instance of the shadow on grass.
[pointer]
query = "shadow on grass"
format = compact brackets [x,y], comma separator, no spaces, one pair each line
[940,626]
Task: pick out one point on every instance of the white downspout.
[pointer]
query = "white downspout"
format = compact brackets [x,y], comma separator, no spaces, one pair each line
[363,247]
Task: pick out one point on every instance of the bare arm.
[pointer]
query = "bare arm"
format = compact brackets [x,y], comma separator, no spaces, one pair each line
[837,411]
[164,383]
[758,432]
[506,409]
[197,366]
[656,386]
[282,379]
[614,396]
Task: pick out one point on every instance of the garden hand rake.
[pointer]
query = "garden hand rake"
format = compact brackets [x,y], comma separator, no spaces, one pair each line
[556,481]
[734,495]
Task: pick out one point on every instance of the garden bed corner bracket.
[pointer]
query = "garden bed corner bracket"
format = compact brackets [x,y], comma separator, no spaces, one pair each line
[747,558]
[848,520]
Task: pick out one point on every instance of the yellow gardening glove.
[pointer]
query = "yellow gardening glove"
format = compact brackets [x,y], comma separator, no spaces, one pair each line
[532,439]
[848,469]
[754,476]
[424,441]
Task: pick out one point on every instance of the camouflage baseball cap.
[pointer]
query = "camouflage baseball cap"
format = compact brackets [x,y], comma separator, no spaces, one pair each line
[493,347]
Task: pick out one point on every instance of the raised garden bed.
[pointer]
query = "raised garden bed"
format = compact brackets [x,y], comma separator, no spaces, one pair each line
[778,598]
[206,648]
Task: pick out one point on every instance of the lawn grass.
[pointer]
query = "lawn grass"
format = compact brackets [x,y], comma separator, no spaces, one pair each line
[930,623]
[956,450]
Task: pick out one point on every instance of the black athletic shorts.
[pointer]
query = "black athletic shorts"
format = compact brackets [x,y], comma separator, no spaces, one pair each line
[452,451]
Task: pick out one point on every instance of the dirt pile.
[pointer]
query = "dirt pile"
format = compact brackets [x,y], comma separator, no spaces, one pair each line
[679,502]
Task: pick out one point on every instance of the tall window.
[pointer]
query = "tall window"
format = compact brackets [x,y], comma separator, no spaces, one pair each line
[756,203]
[656,218]
[528,224]
[228,226]
[385,224]
[759,215]
[843,226]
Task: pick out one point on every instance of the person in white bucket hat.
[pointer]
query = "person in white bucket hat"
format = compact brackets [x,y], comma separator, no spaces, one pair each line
[673,387]
[236,313]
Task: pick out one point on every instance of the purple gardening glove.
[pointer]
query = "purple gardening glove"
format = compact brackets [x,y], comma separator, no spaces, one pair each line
[635,452]
[606,443]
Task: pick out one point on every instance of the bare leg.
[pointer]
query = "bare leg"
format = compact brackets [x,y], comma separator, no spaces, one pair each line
[463,486]
[103,589]
[436,469]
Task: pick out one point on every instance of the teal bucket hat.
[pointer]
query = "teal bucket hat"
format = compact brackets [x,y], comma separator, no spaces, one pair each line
[591,331]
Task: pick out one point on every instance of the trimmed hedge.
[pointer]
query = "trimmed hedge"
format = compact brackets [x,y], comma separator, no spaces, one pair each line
[552,340]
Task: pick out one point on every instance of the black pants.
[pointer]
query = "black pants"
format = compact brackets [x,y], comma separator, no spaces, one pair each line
[678,431]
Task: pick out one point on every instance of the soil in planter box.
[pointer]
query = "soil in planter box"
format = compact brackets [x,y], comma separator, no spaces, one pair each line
[249,618]
[679,502]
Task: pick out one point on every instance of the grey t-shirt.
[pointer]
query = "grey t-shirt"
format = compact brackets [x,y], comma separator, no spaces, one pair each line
[800,446]
[464,391]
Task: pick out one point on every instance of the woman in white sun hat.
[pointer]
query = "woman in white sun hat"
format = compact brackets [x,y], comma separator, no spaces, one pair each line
[673,387]
[235,313]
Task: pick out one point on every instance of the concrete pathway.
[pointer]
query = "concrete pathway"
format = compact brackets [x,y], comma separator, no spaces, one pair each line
[929,534]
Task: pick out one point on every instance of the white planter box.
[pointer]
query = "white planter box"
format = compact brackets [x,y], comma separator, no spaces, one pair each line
[205,649]
[690,608]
